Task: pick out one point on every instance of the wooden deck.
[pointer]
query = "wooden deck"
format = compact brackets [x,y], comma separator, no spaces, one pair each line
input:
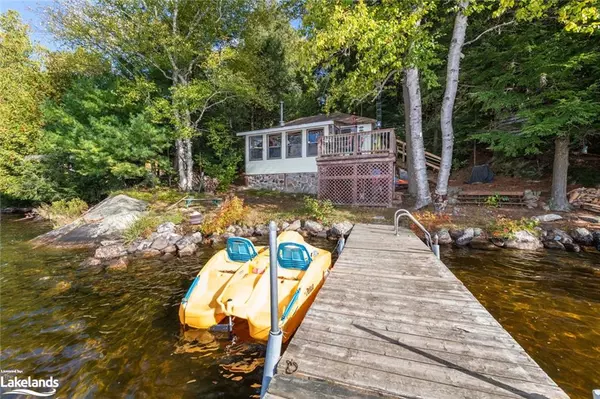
[393,321]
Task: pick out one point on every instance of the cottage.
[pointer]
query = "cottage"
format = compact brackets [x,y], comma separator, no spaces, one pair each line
[337,156]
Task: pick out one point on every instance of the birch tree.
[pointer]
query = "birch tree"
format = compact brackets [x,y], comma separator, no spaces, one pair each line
[361,47]
[452,73]
[183,42]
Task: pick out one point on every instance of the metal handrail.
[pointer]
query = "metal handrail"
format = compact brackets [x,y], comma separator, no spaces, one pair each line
[403,212]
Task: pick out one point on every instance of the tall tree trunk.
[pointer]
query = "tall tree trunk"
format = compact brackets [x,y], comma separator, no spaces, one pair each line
[412,184]
[559,201]
[411,76]
[452,72]
[180,150]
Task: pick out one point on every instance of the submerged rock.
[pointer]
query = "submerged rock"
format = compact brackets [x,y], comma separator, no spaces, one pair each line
[105,221]
[524,240]
[551,244]
[118,265]
[572,247]
[91,262]
[150,253]
[481,242]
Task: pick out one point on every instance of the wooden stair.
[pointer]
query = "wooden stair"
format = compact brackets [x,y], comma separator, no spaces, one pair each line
[502,198]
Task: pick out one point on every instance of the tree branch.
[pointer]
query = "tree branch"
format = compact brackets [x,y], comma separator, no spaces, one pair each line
[497,27]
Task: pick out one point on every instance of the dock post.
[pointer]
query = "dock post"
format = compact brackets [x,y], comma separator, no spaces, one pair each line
[275,335]
[435,247]
[596,394]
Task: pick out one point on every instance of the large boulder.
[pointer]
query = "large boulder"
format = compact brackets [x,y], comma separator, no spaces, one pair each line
[466,237]
[524,240]
[105,221]
[582,236]
[558,235]
[341,229]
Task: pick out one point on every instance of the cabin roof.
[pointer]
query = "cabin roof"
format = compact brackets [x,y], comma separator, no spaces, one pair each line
[314,121]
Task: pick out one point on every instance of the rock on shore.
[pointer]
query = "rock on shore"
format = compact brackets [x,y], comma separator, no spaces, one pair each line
[105,221]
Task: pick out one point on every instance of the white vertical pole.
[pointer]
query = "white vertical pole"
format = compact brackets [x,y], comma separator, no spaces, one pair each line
[275,335]
[596,394]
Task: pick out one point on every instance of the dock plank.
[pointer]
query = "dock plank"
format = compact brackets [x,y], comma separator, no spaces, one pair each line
[393,321]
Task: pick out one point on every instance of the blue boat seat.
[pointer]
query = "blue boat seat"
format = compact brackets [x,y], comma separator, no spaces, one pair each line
[291,255]
[240,249]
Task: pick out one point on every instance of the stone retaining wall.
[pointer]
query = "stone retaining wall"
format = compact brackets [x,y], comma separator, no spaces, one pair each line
[287,182]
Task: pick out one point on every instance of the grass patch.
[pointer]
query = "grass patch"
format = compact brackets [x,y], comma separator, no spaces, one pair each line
[145,225]
[62,212]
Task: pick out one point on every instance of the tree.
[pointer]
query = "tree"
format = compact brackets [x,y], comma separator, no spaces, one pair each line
[23,89]
[184,41]
[447,110]
[100,137]
[540,85]
[361,47]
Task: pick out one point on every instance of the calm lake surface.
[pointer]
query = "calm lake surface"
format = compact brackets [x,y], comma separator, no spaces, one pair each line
[117,335]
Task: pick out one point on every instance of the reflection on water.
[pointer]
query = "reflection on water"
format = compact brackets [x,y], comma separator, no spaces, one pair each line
[548,301]
[112,335]
[117,335]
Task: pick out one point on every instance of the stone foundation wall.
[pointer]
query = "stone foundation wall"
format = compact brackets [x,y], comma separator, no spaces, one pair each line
[287,182]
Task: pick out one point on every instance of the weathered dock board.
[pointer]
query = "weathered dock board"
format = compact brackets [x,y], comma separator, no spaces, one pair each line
[393,321]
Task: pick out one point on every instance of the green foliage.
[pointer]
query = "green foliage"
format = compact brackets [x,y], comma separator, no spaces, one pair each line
[506,228]
[231,211]
[587,176]
[62,212]
[537,82]
[147,224]
[97,142]
[359,46]
[495,201]
[23,87]
[320,210]
[224,153]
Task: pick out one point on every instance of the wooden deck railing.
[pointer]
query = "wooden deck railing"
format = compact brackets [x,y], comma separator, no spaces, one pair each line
[375,142]
[431,160]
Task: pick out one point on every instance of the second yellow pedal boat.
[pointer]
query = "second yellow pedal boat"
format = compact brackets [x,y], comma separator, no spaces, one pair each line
[220,291]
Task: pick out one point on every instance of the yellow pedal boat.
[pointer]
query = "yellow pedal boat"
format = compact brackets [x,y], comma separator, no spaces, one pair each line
[302,269]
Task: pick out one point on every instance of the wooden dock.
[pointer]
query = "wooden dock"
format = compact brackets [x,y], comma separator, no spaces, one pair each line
[393,321]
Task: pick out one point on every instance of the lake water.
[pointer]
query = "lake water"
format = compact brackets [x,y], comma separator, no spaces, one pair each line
[118,335]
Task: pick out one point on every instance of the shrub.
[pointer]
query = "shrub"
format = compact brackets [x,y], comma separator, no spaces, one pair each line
[62,212]
[506,228]
[320,210]
[145,225]
[431,220]
[231,211]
